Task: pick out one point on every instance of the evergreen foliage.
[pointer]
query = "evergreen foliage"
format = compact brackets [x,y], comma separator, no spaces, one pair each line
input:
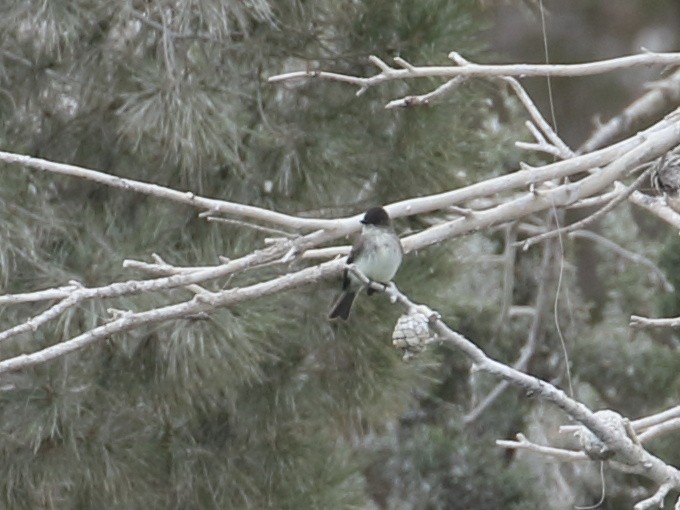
[263,406]
[246,409]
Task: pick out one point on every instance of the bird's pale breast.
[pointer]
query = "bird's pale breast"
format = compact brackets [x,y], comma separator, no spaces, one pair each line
[382,258]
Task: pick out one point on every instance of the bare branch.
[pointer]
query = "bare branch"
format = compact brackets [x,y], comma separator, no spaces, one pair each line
[73,294]
[638,322]
[161,267]
[40,295]
[562,149]
[200,303]
[657,206]
[187,198]
[656,142]
[560,196]
[426,99]
[596,200]
[657,430]
[344,226]
[560,454]
[35,322]
[663,95]
[535,333]
[607,427]
[656,272]
[254,226]
[622,195]
[656,501]
[656,419]
[326,253]
[469,69]
[539,147]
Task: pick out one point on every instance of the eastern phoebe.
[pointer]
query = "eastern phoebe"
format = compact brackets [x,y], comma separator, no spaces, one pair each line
[666,173]
[377,253]
[666,178]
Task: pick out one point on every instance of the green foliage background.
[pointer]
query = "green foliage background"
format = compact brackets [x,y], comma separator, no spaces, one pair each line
[265,405]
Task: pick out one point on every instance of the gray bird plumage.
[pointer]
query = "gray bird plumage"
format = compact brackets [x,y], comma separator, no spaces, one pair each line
[666,173]
[377,253]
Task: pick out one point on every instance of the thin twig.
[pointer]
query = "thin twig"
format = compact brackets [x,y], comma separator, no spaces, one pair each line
[664,94]
[657,206]
[254,226]
[639,322]
[344,226]
[563,149]
[657,499]
[536,331]
[510,258]
[76,294]
[595,201]
[657,430]
[561,454]
[657,273]
[656,419]
[187,198]
[482,70]
[629,455]
[620,197]
[427,99]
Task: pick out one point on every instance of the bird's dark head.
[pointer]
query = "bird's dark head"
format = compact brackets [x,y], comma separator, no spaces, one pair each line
[376,216]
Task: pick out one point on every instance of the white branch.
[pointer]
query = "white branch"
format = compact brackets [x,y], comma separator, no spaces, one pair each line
[75,294]
[657,430]
[533,337]
[656,500]
[562,149]
[663,94]
[655,271]
[203,302]
[481,70]
[655,142]
[561,454]
[656,419]
[639,322]
[187,198]
[426,99]
[620,197]
[40,295]
[344,226]
[560,196]
[607,427]
[254,226]
[657,206]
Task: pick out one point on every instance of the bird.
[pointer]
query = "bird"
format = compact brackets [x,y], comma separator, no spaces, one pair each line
[377,253]
[666,178]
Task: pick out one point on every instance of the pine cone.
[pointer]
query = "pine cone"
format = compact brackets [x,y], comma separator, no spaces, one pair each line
[411,334]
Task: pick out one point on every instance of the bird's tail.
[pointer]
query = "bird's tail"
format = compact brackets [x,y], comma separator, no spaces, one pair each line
[342,306]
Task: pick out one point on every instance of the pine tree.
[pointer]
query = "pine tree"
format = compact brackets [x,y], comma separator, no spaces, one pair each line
[257,406]
[266,404]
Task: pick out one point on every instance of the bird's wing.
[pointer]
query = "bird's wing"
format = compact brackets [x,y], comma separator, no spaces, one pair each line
[356,247]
